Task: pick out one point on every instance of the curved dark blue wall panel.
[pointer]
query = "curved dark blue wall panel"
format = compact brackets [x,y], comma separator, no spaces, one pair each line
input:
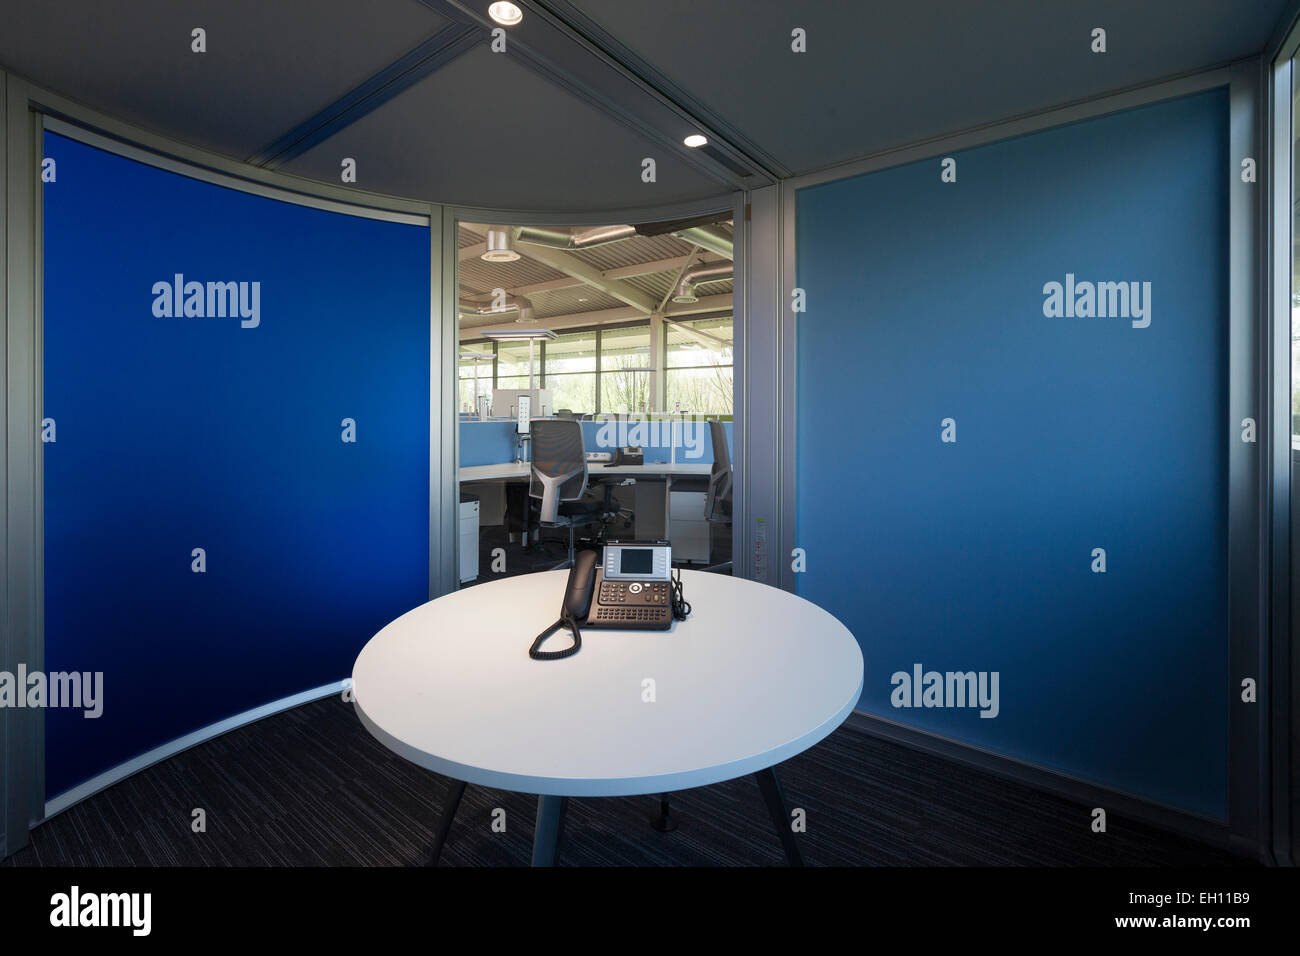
[926,302]
[225,433]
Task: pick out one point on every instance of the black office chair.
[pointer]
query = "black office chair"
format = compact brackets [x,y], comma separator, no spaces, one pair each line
[559,478]
[717,504]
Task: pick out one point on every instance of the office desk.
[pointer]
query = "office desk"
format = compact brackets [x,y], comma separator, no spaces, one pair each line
[518,470]
[512,471]
[755,676]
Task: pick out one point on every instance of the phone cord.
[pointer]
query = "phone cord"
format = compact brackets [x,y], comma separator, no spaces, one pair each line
[681,607]
[539,655]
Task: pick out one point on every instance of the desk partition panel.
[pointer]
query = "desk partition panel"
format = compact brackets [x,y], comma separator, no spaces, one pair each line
[1012,444]
[236,497]
[492,442]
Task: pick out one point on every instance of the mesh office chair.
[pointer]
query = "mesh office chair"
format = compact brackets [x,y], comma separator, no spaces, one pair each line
[717,504]
[559,478]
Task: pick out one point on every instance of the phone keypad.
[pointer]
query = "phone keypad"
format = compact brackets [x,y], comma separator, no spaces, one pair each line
[630,614]
[634,593]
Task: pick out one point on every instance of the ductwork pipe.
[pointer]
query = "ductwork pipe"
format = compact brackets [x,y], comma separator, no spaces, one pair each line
[711,237]
[563,239]
[514,303]
[686,285]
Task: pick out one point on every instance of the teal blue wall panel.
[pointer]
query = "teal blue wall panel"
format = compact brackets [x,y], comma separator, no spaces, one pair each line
[926,302]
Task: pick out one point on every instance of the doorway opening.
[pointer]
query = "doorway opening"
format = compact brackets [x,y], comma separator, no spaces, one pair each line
[625,333]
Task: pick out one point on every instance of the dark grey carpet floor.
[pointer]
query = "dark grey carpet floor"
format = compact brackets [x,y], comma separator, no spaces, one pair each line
[310,787]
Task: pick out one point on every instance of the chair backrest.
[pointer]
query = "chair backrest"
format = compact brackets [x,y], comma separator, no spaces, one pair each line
[717,505]
[559,470]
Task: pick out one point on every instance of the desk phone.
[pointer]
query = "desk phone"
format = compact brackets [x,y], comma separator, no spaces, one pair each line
[633,587]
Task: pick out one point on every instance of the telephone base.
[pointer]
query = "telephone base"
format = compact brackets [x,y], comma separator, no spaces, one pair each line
[630,605]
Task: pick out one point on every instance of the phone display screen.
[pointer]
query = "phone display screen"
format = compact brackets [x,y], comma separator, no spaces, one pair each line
[636,561]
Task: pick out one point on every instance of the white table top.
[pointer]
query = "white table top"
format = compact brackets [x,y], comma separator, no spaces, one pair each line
[510,469]
[753,677]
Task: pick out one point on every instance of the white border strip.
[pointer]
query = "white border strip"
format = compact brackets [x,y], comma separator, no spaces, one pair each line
[123,770]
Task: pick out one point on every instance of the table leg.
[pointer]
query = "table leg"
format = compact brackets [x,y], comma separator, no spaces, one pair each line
[546,833]
[776,806]
[664,822]
[446,815]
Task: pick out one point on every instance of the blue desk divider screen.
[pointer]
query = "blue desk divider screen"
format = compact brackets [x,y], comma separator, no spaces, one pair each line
[220,425]
[493,442]
[931,315]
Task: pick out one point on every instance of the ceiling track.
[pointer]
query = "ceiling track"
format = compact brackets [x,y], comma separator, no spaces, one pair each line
[601,42]
[528,52]
[400,75]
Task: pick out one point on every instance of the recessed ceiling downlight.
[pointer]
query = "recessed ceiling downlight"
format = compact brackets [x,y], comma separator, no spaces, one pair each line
[506,14]
[696,140]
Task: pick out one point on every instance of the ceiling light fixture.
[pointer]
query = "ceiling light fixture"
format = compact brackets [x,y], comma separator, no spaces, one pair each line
[506,14]
[499,247]
[515,335]
[696,140]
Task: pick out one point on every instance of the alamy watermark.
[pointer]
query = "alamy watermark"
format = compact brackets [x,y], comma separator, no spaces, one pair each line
[922,688]
[74,909]
[688,433]
[76,690]
[1098,300]
[208,300]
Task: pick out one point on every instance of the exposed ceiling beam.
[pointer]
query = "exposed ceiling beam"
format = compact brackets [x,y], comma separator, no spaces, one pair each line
[569,282]
[709,303]
[657,265]
[571,265]
[704,338]
[624,313]
[551,285]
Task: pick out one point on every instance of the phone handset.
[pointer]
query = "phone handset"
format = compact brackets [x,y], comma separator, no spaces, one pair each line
[573,613]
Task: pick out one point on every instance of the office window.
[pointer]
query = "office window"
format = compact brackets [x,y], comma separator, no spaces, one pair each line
[571,371]
[625,369]
[512,364]
[475,374]
[698,366]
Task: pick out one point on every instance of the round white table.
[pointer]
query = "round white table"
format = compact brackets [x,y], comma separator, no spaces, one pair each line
[754,676]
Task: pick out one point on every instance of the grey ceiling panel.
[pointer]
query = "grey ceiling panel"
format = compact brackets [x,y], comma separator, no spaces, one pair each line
[881,75]
[269,64]
[571,301]
[485,130]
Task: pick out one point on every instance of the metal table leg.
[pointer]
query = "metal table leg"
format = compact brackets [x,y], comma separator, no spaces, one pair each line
[664,822]
[446,815]
[776,806]
[546,834]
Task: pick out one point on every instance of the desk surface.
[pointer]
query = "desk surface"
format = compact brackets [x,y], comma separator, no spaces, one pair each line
[755,676]
[510,469]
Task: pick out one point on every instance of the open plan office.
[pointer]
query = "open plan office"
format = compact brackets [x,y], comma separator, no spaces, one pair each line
[447,433]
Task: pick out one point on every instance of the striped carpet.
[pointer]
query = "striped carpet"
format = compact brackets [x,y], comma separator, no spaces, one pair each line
[310,787]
